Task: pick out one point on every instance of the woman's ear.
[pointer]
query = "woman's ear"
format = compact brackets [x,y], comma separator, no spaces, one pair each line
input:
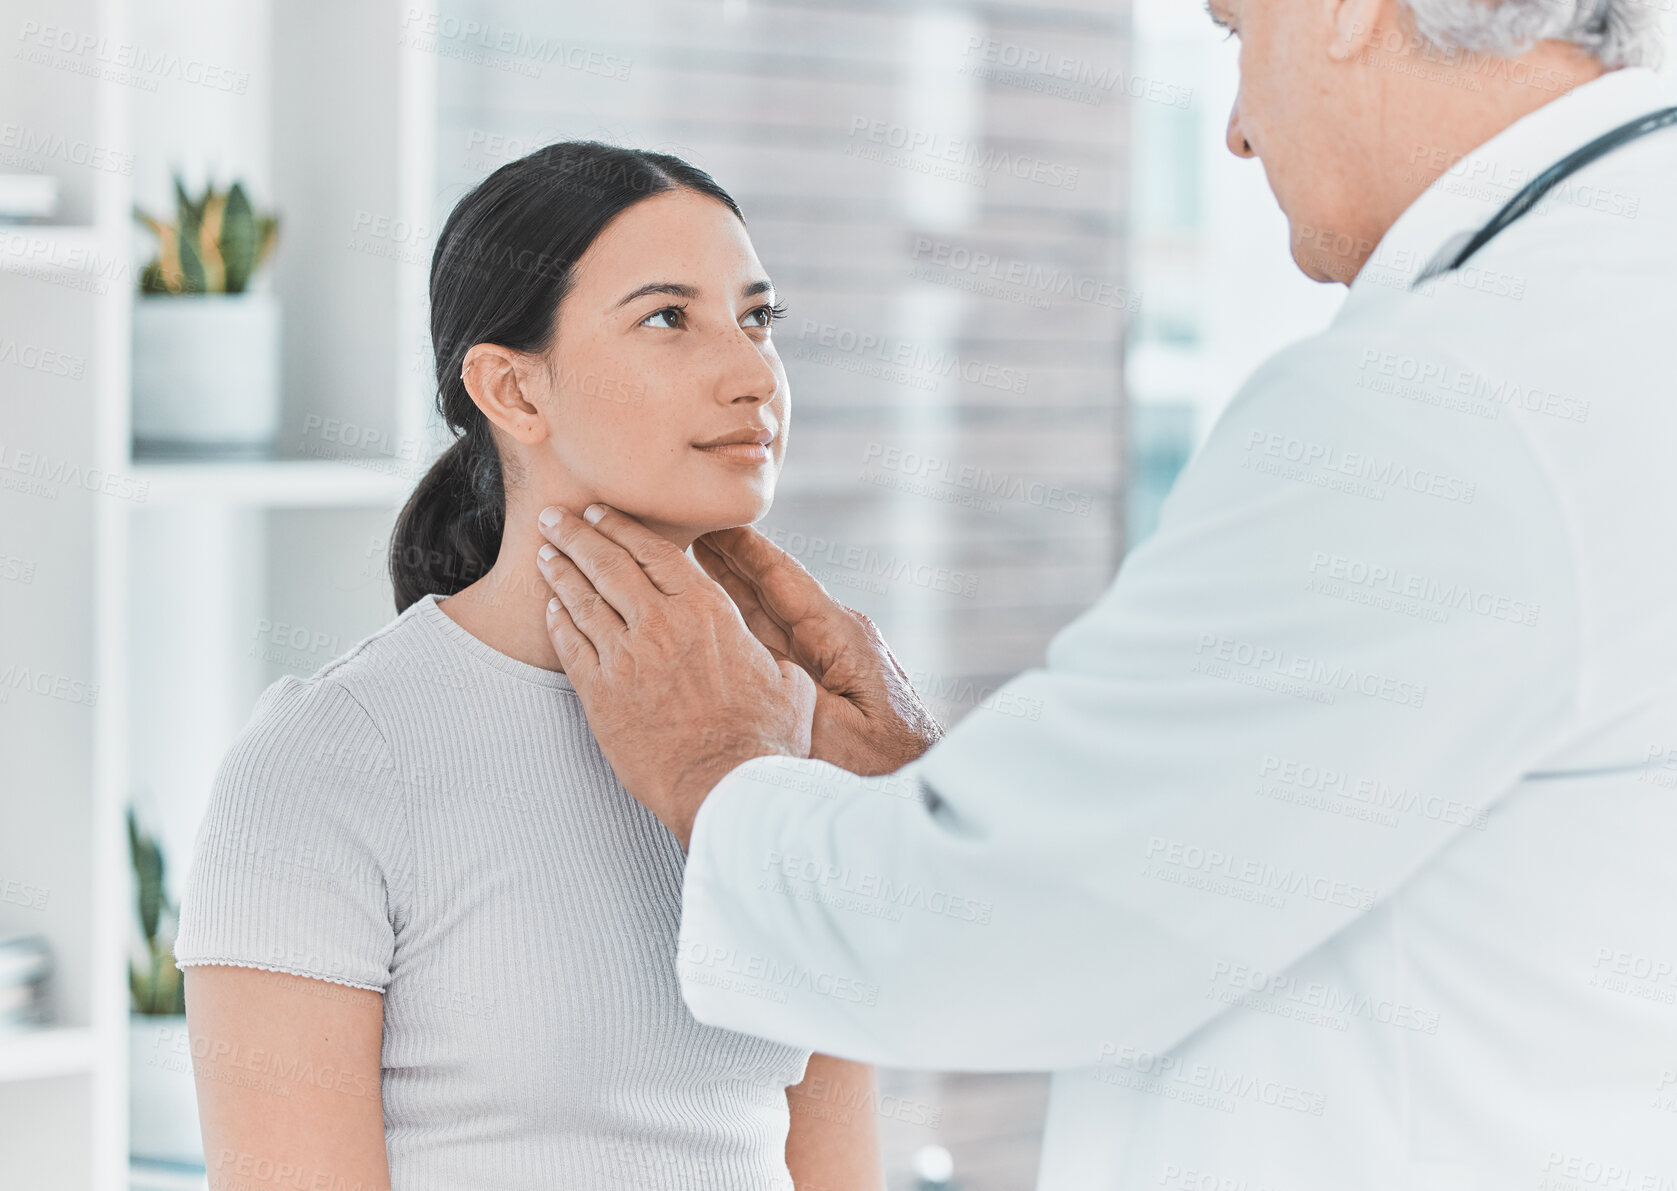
[500,382]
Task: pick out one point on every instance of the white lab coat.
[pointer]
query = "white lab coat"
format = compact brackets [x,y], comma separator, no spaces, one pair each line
[1336,846]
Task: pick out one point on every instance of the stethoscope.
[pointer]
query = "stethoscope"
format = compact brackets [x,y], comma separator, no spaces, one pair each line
[1547,181]
[1512,210]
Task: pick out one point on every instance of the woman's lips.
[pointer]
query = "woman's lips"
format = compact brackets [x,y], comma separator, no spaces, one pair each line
[751,454]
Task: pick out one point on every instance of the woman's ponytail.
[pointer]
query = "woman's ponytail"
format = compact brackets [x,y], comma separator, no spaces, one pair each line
[449,532]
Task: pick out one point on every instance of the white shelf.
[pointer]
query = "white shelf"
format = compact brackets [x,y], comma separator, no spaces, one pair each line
[57,248]
[279,483]
[46,1053]
[164,1176]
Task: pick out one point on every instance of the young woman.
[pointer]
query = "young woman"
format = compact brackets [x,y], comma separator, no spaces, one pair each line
[429,941]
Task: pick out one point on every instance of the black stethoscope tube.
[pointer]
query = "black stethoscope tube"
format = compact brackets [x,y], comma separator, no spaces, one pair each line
[1553,176]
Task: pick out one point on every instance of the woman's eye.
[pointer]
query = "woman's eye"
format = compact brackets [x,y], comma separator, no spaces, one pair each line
[766,316]
[670,314]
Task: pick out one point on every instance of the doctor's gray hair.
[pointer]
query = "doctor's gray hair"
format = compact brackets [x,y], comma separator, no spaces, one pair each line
[1615,32]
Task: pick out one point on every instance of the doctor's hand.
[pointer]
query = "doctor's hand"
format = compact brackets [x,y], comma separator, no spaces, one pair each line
[677,690]
[868,717]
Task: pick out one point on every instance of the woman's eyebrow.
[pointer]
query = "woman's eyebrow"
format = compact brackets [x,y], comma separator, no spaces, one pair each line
[674,288]
[691,292]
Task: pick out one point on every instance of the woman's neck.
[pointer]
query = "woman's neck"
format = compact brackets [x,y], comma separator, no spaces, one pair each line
[506,608]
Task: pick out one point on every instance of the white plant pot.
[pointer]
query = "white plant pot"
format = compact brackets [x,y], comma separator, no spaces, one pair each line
[162,1101]
[206,374]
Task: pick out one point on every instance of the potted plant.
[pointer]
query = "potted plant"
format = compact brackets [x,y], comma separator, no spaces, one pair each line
[162,1100]
[206,347]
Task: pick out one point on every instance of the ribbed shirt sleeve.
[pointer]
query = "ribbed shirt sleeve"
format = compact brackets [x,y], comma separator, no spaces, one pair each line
[302,852]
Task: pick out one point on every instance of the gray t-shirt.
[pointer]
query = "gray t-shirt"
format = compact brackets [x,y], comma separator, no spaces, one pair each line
[432,819]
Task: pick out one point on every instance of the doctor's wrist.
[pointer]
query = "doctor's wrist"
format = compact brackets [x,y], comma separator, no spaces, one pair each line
[696,782]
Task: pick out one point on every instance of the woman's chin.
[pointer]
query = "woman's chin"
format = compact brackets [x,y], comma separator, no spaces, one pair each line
[709,517]
[699,531]
[692,524]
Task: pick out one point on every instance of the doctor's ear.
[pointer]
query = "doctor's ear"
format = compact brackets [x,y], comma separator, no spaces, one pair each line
[500,382]
[1352,26]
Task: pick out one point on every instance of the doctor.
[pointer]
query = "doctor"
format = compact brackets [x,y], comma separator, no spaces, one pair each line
[1338,845]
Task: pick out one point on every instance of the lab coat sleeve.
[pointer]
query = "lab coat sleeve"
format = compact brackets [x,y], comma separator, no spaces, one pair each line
[1355,626]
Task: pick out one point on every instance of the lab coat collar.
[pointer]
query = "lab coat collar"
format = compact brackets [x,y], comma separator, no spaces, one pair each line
[1469,193]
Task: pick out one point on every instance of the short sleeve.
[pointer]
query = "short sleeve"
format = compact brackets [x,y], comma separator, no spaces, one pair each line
[296,858]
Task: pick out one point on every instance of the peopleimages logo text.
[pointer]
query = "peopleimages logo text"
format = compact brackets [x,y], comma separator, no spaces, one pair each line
[962,151]
[1259,873]
[912,356]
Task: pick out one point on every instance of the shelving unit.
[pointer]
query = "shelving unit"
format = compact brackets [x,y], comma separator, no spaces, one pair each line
[130,595]
[62,249]
[153,1176]
[276,484]
[47,1054]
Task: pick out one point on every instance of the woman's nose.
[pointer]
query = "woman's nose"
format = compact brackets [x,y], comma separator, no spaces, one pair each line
[746,375]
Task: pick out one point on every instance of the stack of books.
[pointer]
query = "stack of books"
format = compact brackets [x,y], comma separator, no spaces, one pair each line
[25,968]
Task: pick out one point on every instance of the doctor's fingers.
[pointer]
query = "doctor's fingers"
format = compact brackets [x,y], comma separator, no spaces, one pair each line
[612,571]
[571,645]
[877,639]
[763,626]
[587,609]
[670,570]
[820,628]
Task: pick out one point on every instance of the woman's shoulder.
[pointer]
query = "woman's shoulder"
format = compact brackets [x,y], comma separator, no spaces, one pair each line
[294,708]
[309,752]
[339,696]
[310,774]
[321,728]
[403,675]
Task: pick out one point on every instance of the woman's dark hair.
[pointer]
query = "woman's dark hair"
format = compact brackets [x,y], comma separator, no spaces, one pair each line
[503,263]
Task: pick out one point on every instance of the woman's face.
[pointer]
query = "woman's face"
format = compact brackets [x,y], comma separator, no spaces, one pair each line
[664,393]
